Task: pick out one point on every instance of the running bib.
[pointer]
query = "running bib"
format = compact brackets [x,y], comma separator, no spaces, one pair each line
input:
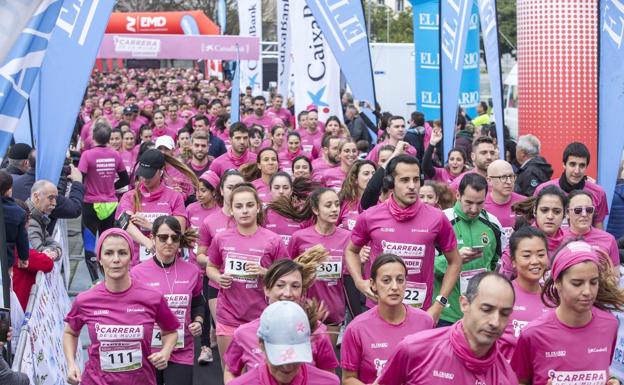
[236,266]
[415,294]
[118,356]
[145,253]
[330,270]
[307,148]
[507,231]
[157,335]
[464,278]
[285,239]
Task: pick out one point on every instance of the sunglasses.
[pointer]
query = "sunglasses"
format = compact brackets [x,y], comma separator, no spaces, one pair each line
[589,210]
[175,238]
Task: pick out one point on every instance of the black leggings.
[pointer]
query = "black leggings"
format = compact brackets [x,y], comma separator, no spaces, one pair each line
[91,227]
[175,374]
[209,292]
[353,296]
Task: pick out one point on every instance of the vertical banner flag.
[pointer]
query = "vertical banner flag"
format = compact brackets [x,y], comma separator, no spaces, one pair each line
[63,79]
[317,74]
[489,29]
[610,96]
[235,92]
[427,61]
[19,70]
[14,15]
[221,15]
[454,23]
[284,48]
[250,22]
[344,29]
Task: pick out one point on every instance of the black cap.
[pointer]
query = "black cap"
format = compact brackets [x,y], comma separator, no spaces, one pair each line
[127,110]
[134,108]
[19,151]
[151,161]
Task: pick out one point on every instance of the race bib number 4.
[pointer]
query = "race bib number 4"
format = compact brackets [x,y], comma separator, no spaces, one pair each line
[330,270]
[464,278]
[120,356]
[237,264]
[415,294]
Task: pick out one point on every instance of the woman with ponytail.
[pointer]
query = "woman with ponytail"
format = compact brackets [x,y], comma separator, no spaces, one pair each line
[150,200]
[260,173]
[577,339]
[285,280]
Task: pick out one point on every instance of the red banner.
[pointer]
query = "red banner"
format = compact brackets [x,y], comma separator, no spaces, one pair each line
[558,75]
[179,23]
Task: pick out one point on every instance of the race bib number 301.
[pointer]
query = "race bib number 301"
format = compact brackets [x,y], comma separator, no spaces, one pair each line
[331,269]
[120,356]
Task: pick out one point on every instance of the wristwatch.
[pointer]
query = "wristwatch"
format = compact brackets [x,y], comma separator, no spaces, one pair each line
[443,301]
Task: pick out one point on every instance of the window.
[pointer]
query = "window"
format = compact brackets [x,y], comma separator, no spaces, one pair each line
[400,6]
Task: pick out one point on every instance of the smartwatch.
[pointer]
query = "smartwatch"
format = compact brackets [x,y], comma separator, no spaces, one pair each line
[443,301]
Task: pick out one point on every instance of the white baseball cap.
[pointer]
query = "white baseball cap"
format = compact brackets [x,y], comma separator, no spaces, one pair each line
[285,330]
[165,141]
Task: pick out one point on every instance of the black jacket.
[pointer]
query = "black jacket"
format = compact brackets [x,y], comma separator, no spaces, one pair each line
[16,233]
[535,172]
[616,214]
[358,129]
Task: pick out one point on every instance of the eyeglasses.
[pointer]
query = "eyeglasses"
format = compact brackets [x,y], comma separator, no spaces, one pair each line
[589,210]
[504,178]
[175,238]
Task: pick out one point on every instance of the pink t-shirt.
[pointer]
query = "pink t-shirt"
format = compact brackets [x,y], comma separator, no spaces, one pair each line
[374,153]
[231,251]
[597,193]
[282,226]
[329,285]
[196,214]
[455,183]
[162,201]
[101,165]
[333,178]
[504,214]
[308,375]
[283,113]
[548,349]
[598,239]
[120,329]
[179,283]
[244,350]
[429,358]
[175,126]
[320,164]
[527,307]
[443,175]
[267,121]
[415,240]
[214,223]
[349,213]
[225,162]
[164,130]
[264,192]
[307,141]
[129,159]
[175,179]
[369,340]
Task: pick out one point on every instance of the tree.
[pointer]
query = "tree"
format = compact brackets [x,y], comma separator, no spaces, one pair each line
[390,27]
[507,24]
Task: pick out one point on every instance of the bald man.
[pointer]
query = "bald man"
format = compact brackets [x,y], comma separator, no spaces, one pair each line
[500,197]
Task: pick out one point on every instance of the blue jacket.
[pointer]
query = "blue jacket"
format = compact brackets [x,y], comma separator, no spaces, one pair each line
[616,215]
[15,229]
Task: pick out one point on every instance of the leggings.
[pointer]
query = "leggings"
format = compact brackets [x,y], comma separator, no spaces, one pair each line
[91,227]
[353,296]
[209,293]
[175,374]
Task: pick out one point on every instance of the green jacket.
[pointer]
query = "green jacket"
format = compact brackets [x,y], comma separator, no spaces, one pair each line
[485,230]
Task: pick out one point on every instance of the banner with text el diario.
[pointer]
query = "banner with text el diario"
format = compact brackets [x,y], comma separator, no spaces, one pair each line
[427,60]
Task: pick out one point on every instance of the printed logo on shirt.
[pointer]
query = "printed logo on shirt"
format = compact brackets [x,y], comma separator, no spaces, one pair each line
[518,326]
[177,300]
[597,350]
[581,377]
[379,365]
[135,310]
[180,282]
[444,375]
[484,238]
[420,230]
[100,312]
[118,332]
[555,354]
[387,230]
[153,284]
[404,249]
[379,345]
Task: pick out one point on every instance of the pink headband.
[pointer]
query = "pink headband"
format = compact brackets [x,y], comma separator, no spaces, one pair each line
[572,254]
[212,178]
[108,233]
